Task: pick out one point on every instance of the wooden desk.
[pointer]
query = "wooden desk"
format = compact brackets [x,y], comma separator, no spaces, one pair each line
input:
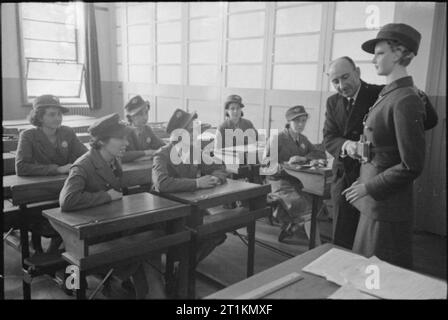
[226,220]
[77,123]
[84,228]
[316,182]
[9,163]
[43,188]
[310,287]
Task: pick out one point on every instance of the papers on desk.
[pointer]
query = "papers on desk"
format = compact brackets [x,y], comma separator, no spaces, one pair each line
[346,268]
[144,158]
[349,292]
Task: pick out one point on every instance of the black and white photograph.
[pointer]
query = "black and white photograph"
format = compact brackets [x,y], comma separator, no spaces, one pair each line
[224,155]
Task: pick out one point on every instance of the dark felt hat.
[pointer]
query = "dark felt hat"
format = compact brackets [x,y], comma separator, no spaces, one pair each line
[180,119]
[233,98]
[108,126]
[295,112]
[48,100]
[135,105]
[403,33]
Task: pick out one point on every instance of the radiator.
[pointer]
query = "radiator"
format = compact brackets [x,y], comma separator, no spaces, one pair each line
[79,110]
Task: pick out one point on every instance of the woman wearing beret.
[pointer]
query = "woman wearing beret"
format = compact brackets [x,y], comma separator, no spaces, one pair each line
[234,120]
[95,179]
[141,138]
[47,149]
[293,147]
[395,128]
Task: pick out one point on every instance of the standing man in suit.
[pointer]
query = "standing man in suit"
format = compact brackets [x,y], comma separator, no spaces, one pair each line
[343,126]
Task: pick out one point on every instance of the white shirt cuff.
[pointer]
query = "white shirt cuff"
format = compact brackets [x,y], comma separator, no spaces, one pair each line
[343,151]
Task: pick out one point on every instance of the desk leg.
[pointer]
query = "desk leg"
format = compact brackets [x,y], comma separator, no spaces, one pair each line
[250,248]
[314,212]
[192,266]
[81,292]
[183,271]
[25,248]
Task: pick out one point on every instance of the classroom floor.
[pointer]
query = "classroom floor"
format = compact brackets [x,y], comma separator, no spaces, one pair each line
[227,263]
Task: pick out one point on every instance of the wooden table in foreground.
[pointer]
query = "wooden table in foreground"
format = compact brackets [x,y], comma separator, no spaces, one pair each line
[316,182]
[310,287]
[134,213]
[225,221]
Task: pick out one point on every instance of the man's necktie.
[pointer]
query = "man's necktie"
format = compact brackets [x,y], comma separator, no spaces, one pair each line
[349,106]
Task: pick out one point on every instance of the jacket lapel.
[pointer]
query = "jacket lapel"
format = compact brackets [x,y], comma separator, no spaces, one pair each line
[45,146]
[360,108]
[105,171]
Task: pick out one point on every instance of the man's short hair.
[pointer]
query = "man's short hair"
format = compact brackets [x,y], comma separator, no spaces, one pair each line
[348,59]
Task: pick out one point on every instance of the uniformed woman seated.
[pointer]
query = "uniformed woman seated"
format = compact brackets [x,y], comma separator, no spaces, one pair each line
[141,138]
[234,120]
[174,171]
[294,148]
[95,179]
[47,149]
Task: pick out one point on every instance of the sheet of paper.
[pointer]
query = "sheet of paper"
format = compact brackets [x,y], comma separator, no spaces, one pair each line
[348,292]
[387,281]
[331,264]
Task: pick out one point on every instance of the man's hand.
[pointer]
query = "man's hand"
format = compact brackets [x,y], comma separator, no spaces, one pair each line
[64,169]
[206,182]
[297,159]
[114,195]
[350,149]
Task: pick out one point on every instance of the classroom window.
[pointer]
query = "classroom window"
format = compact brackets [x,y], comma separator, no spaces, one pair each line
[53,50]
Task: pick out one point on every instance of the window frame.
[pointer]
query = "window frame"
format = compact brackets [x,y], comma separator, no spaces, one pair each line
[81,99]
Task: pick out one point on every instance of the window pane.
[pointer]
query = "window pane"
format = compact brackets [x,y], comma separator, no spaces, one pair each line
[246,25]
[242,6]
[48,31]
[119,54]
[244,76]
[119,12]
[166,107]
[208,111]
[349,43]
[203,52]
[50,50]
[254,112]
[120,72]
[369,75]
[140,73]
[168,10]
[295,77]
[299,20]
[139,14]
[168,53]
[140,55]
[245,50]
[139,35]
[289,3]
[60,71]
[203,75]
[168,31]
[168,74]
[56,87]
[48,12]
[204,29]
[351,15]
[297,49]
[118,35]
[198,9]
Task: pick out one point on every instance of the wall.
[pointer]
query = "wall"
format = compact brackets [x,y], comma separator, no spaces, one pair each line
[12,107]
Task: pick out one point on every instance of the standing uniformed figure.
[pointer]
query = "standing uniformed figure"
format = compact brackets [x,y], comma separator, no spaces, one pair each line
[141,138]
[174,171]
[95,179]
[234,120]
[394,127]
[48,149]
[293,147]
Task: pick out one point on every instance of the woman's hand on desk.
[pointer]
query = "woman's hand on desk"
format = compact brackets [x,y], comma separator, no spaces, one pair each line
[297,159]
[206,182]
[64,169]
[355,191]
[114,195]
